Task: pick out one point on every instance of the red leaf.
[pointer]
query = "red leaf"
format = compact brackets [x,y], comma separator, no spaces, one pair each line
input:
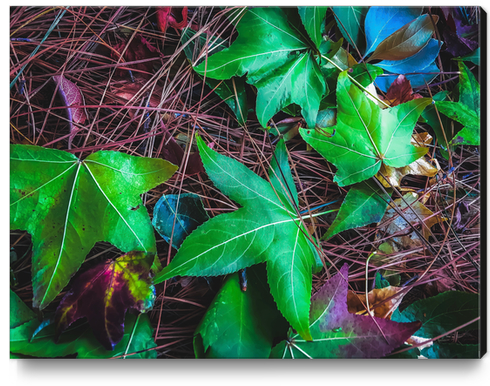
[104,293]
[166,18]
[400,92]
[139,49]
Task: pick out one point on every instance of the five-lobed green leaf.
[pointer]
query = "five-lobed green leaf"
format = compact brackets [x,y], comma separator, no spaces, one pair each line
[367,136]
[277,59]
[67,205]
[265,229]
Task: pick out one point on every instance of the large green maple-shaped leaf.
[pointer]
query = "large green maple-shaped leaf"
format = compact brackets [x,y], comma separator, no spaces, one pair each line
[67,205]
[467,110]
[265,229]
[278,60]
[367,136]
[339,334]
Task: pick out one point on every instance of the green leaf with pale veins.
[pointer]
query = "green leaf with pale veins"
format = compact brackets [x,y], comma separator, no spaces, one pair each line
[67,205]
[365,203]
[277,59]
[467,110]
[312,18]
[240,324]
[265,229]
[367,136]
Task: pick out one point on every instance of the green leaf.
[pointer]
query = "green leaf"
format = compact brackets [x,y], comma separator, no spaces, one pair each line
[366,136]
[138,336]
[67,205]
[264,229]
[364,204]
[351,23]
[451,350]
[312,18]
[277,60]
[231,91]
[442,132]
[406,41]
[337,333]
[474,57]
[380,281]
[441,313]
[467,110]
[241,324]
[470,134]
[19,312]
[469,89]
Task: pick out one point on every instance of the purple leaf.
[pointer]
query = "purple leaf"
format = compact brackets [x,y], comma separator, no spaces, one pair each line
[339,334]
[72,98]
[104,293]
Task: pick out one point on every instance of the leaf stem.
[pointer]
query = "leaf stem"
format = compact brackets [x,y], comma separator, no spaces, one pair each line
[356,82]
[318,214]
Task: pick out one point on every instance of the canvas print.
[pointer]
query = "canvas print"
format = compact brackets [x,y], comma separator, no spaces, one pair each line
[246,182]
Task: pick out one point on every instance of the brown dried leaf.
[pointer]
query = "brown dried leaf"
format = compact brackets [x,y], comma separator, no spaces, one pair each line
[382,301]
[411,215]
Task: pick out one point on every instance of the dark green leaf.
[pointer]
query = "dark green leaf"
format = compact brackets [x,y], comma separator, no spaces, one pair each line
[138,336]
[265,229]
[67,205]
[364,204]
[184,210]
[474,57]
[241,324]
[19,312]
[470,134]
[406,41]
[366,136]
[441,313]
[451,350]
[351,23]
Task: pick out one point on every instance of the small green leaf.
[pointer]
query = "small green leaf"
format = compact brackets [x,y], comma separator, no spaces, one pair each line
[366,136]
[312,18]
[470,134]
[474,57]
[441,313]
[265,229]
[67,205]
[241,324]
[364,204]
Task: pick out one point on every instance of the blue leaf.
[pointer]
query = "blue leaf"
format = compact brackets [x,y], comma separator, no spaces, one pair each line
[414,63]
[187,217]
[416,80]
[381,22]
